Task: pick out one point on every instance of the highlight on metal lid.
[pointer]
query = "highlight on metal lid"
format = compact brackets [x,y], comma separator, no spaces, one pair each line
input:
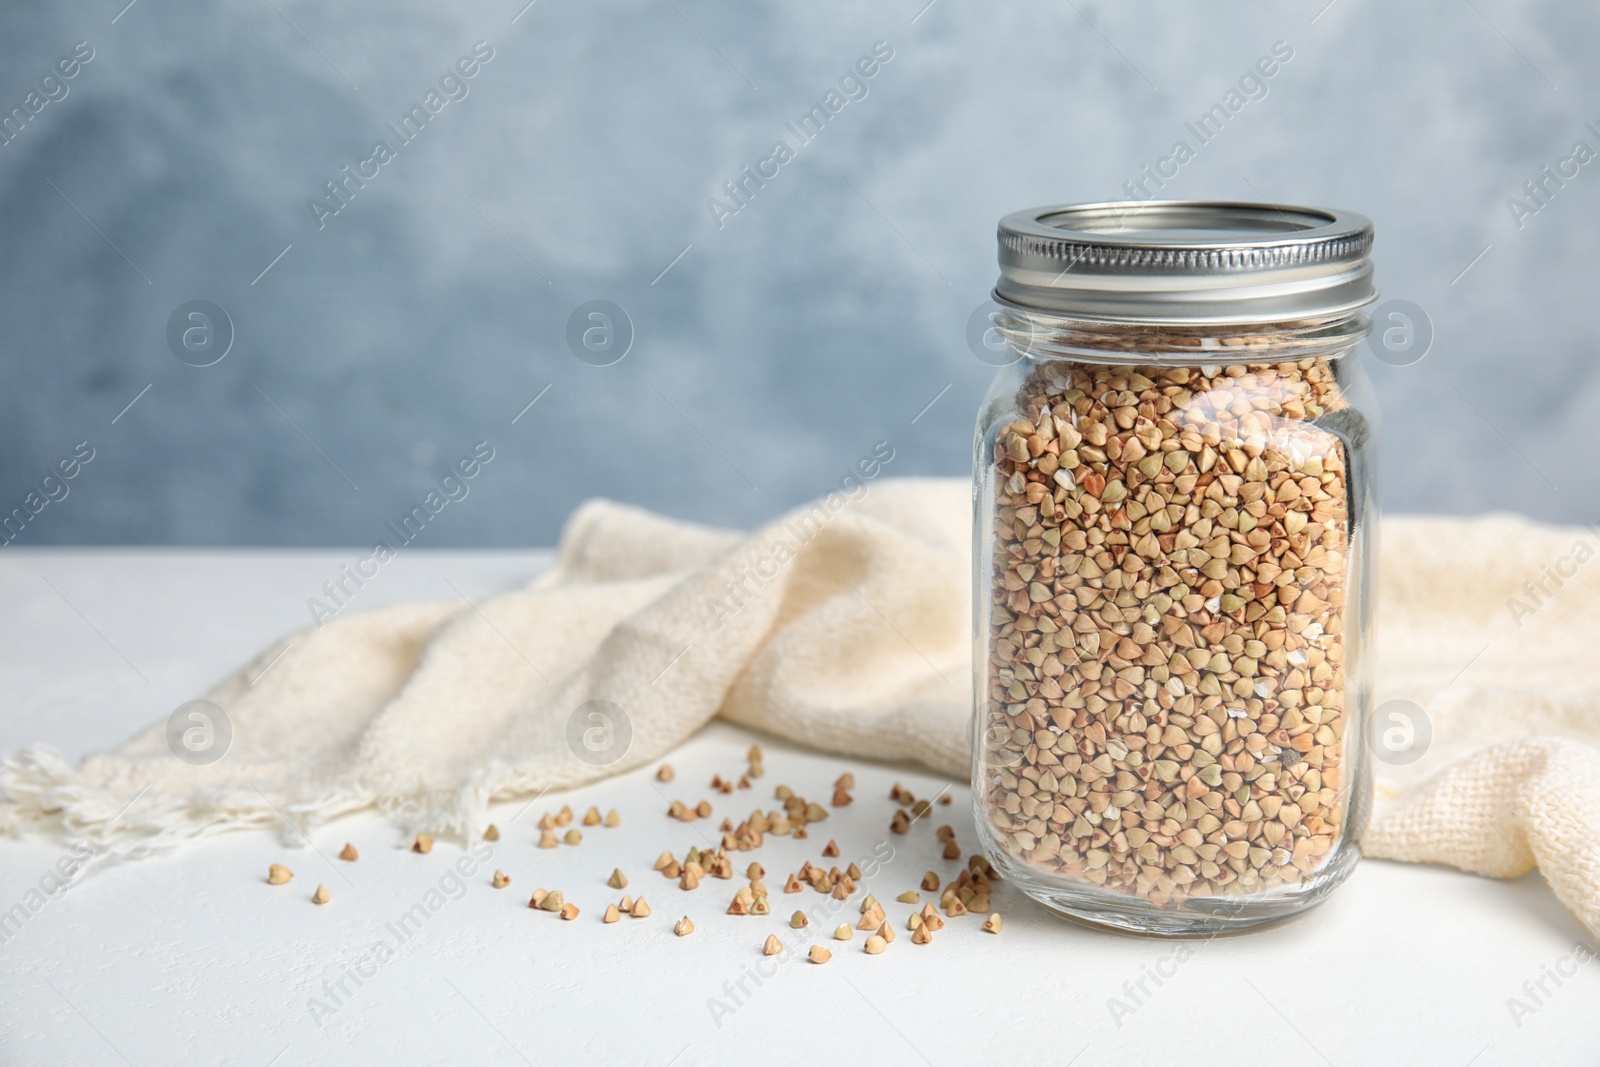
[1186,262]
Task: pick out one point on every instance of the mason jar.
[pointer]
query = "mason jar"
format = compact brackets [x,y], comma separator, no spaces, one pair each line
[1174,540]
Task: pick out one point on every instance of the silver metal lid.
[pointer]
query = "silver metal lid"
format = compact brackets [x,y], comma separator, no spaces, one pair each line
[1185,262]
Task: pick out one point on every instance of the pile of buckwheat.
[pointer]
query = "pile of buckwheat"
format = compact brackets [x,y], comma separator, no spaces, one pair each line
[1165,705]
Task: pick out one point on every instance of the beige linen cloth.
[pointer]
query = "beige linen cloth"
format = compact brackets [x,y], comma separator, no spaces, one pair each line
[845,626]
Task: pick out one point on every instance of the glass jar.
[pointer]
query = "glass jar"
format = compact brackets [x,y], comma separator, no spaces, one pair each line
[1174,562]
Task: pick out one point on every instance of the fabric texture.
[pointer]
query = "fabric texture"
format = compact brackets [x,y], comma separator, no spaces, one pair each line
[845,626]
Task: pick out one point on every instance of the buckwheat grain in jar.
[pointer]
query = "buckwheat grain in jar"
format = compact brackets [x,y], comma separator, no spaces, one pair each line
[1173,576]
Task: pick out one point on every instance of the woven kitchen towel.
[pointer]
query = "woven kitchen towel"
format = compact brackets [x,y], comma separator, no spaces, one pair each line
[843,625]
[1491,628]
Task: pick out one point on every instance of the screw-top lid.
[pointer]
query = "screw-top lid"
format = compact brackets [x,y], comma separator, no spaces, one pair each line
[1185,262]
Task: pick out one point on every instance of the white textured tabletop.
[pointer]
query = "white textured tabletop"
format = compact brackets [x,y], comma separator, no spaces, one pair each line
[193,959]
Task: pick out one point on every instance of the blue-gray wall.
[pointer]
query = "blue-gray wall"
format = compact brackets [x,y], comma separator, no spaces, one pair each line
[821,317]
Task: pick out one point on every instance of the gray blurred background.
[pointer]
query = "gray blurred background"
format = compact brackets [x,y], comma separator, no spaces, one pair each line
[373,347]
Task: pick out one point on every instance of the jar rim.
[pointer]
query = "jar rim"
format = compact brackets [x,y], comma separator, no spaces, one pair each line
[1186,262]
[1043,335]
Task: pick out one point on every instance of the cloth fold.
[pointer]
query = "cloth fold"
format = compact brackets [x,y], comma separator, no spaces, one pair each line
[844,625]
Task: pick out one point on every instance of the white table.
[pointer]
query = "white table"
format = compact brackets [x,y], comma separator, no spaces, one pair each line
[193,959]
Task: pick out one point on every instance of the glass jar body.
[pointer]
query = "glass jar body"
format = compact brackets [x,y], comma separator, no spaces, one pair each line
[1172,600]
